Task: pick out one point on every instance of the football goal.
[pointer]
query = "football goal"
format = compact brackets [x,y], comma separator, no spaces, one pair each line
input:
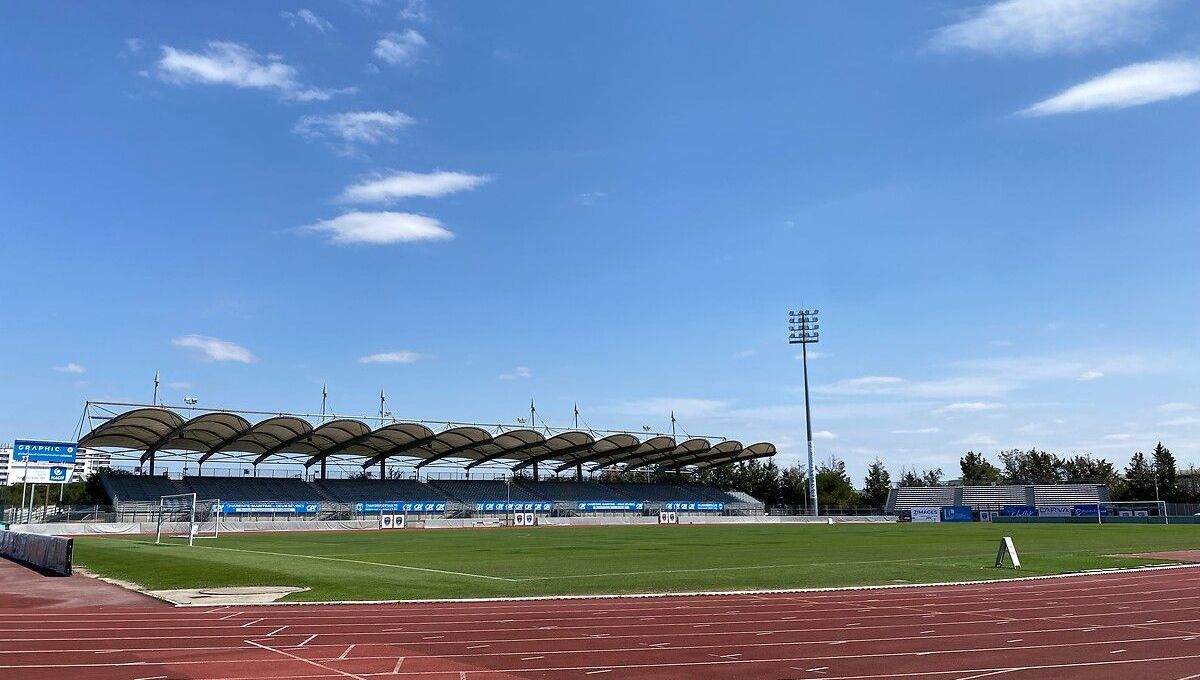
[1141,512]
[184,516]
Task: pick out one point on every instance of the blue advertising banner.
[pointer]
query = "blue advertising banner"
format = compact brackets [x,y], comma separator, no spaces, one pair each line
[693,506]
[401,506]
[591,506]
[957,513]
[34,451]
[1089,510]
[1018,511]
[262,507]
[515,506]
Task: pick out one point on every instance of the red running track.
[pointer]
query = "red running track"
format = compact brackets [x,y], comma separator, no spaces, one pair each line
[1117,625]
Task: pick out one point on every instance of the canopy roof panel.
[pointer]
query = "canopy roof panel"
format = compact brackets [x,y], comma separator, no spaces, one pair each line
[153,429]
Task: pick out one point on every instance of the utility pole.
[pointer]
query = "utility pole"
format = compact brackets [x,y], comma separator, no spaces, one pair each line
[802,330]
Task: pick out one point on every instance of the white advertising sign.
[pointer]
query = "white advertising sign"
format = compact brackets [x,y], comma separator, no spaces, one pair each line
[1055,510]
[927,514]
[41,473]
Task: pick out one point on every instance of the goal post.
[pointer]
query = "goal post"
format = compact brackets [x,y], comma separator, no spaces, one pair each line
[201,518]
[1113,512]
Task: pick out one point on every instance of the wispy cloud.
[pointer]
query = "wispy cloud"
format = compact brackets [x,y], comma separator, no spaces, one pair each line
[70,367]
[745,353]
[1041,27]
[307,17]
[214,349]
[969,407]
[403,356]
[134,45]
[401,48]
[1176,406]
[180,385]
[591,198]
[415,10]
[824,434]
[351,128]
[401,185]
[688,407]
[1090,375]
[518,372]
[1118,436]
[920,430]
[1122,88]
[380,228]
[233,64]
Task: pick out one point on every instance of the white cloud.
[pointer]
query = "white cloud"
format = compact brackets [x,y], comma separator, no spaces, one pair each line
[591,198]
[134,45]
[976,439]
[180,385]
[354,127]
[1118,437]
[1121,88]
[1090,375]
[1041,27]
[400,48]
[824,434]
[812,354]
[872,381]
[518,372]
[215,349]
[403,356]
[1173,406]
[921,430]
[308,17]
[969,407]
[402,185]
[229,63]
[1181,421]
[70,367]
[414,10]
[379,228]
[745,353]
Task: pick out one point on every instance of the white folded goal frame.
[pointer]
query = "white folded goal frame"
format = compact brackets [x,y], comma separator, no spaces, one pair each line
[201,518]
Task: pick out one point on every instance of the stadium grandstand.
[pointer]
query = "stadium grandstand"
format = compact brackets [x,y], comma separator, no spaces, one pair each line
[995,498]
[158,440]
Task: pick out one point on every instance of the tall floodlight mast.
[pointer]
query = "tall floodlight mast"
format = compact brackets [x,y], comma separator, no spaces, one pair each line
[802,330]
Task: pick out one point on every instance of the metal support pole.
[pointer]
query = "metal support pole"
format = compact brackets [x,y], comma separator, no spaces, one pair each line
[802,327]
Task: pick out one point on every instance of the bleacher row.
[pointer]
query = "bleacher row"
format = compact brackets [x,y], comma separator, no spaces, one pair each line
[995,497]
[468,492]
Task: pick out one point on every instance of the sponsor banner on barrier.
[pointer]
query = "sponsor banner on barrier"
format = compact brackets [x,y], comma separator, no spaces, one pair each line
[248,507]
[401,506]
[515,506]
[1018,511]
[35,451]
[1089,510]
[609,505]
[957,513]
[1054,510]
[41,473]
[693,506]
[927,514]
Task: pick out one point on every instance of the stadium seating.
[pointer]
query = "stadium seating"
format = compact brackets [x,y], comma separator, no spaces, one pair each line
[255,489]
[994,497]
[910,497]
[140,488]
[368,490]
[477,491]
[1070,494]
[655,492]
[572,491]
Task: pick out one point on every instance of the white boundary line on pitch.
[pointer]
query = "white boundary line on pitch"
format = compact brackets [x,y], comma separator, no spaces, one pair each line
[700,593]
[343,559]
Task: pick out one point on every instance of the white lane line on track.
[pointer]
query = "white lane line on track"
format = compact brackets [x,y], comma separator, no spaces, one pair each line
[399,663]
[251,623]
[307,640]
[988,674]
[346,653]
[277,630]
[304,660]
[373,564]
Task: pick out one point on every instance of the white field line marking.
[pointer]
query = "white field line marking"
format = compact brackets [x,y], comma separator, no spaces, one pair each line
[728,657]
[277,630]
[307,640]
[399,663]
[230,616]
[307,661]
[251,623]
[642,636]
[988,674]
[606,670]
[531,658]
[346,653]
[373,564]
[738,568]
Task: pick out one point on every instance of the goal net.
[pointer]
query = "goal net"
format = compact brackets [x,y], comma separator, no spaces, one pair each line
[1140,512]
[185,516]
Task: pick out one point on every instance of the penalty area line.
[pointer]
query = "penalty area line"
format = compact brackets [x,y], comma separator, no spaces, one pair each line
[373,564]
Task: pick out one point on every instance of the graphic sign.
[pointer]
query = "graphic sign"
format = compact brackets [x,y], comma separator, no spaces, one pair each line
[1090,509]
[957,513]
[34,451]
[693,506]
[1054,510]
[927,514]
[591,506]
[401,506]
[516,506]
[263,507]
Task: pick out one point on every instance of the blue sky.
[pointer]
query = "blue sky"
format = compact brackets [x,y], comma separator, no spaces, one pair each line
[472,204]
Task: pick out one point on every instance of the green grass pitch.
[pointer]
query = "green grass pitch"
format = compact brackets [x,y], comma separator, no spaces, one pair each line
[505,562]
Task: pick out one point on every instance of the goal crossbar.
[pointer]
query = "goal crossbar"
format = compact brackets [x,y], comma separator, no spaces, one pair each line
[194,513]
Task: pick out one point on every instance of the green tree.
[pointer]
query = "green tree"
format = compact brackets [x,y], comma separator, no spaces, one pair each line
[877,484]
[1031,467]
[932,477]
[1164,468]
[1139,479]
[1083,468]
[793,487]
[833,485]
[977,470]
[909,477]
